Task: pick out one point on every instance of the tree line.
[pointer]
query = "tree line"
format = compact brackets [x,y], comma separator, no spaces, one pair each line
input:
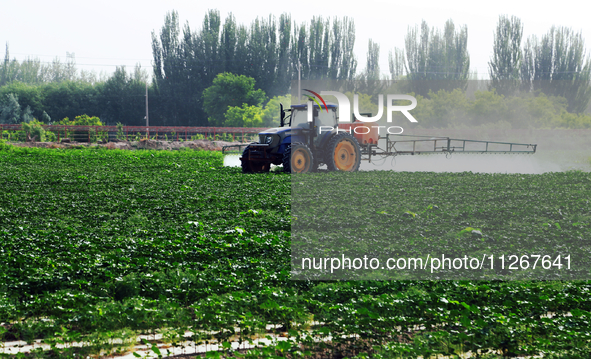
[556,64]
[118,99]
[273,52]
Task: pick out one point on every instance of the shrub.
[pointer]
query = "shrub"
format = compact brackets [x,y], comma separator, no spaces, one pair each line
[245,116]
[85,120]
[82,120]
[34,129]
[50,136]
[19,135]
[221,137]
[103,135]
[271,112]
[5,147]
[120,132]
[92,135]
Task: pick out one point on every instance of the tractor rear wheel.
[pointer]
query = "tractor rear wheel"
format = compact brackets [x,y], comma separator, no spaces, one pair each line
[298,158]
[343,153]
[253,166]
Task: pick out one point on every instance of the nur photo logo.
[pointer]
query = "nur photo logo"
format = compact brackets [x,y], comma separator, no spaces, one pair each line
[344,106]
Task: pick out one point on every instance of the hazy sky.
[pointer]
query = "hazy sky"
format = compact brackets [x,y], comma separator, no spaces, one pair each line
[104,34]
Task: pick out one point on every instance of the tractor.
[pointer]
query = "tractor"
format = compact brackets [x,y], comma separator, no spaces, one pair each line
[302,146]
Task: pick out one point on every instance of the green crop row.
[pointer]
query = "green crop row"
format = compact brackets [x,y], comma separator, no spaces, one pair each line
[97,245]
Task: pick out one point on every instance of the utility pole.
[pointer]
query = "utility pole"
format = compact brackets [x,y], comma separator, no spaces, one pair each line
[147,118]
[299,82]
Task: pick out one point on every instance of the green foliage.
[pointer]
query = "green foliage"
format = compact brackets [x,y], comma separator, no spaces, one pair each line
[126,97]
[50,136]
[85,120]
[574,121]
[504,67]
[558,65]
[245,116]
[34,129]
[269,50]
[120,132]
[92,135]
[57,90]
[221,137]
[437,60]
[106,263]
[116,97]
[372,69]
[72,98]
[27,115]
[10,107]
[10,111]
[4,147]
[396,64]
[487,108]
[229,90]
[45,118]
[270,115]
[324,51]
[32,71]
[65,122]
[26,95]
[364,101]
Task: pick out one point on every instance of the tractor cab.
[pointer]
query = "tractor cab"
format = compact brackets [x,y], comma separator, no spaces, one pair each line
[323,118]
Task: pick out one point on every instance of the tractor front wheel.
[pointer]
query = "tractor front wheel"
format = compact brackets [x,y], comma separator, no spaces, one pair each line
[298,158]
[343,153]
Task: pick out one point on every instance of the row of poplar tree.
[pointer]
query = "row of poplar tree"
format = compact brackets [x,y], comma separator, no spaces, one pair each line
[276,51]
[555,64]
